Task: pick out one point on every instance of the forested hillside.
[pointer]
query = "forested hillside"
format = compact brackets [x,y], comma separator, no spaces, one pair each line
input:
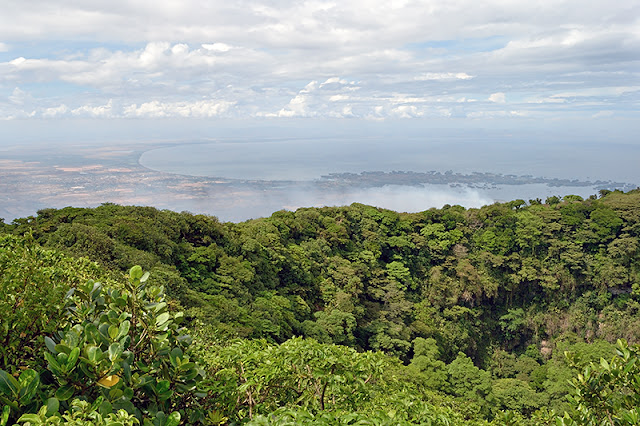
[329,315]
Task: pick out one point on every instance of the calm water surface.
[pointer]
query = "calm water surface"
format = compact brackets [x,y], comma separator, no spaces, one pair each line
[309,159]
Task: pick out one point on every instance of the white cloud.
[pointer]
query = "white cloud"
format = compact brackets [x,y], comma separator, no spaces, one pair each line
[54,112]
[217,47]
[412,59]
[445,76]
[18,96]
[498,97]
[497,114]
[199,109]
[338,98]
[101,111]
[297,107]
[406,111]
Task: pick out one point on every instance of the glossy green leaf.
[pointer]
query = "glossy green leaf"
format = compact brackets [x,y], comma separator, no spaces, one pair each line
[73,358]
[61,348]
[113,332]
[135,272]
[8,384]
[34,419]
[94,354]
[115,350]
[54,366]
[29,382]
[51,345]
[123,329]
[65,392]
[162,319]
[162,386]
[53,405]
[115,393]
[128,393]
[173,419]
[175,356]
[105,408]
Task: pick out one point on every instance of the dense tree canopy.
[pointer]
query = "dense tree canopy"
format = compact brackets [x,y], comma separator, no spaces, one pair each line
[473,310]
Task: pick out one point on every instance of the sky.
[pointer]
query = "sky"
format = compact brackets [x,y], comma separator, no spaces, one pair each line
[453,62]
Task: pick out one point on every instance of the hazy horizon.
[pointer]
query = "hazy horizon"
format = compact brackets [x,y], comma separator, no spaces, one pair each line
[549,88]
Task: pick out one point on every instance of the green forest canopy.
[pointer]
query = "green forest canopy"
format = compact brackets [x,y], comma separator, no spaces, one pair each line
[452,313]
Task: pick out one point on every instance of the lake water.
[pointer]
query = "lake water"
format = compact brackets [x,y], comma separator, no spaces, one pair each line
[308,159]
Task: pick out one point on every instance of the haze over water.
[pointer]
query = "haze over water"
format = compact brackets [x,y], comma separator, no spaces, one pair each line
[306,160]
[309,159]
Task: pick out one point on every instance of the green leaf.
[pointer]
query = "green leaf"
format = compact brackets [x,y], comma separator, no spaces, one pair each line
[73,358]
[34,419]
[54,366]
[189,375]
[115,350]
[162,386]
[187,366]
[105,408]
[162,318]
[4,419]
[159,306]
[165,395]
[115,393]
[160,419]
[113,332]
[126,371]
[61,348]
[94,354]
[175,356]
[136,272]
[173,419]
[65,392]
[123,330]
[29,382]
[51,345]
[53,405]
[27,377]
[8,384]
[128,393]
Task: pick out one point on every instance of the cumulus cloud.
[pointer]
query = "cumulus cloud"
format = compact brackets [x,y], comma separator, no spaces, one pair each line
[199,109]
[406,111]
[498,97]
[163,59]
[316,99]
[54,112]
[217,47]
[100,111]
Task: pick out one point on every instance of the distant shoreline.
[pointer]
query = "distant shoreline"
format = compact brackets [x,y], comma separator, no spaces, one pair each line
[368,178]
[89,175]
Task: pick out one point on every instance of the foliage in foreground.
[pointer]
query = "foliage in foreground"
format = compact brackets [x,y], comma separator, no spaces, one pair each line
[120,350]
